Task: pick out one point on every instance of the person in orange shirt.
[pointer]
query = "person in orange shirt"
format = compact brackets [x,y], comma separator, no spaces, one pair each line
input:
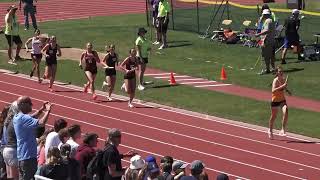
[279,86]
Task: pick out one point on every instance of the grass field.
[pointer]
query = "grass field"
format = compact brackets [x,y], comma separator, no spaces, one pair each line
[217,104]
[121,31]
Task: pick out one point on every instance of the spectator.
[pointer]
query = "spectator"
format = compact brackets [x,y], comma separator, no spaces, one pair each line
[196,168]
[54,168]
[10,149]
[166,169]
[136,164]
[268,38]
[166,159]
[41,149]
[29,8]
[53,137]
[260,21]
[24,127]
[222,177]
[292,25]
[112,158]
[163,20]
[73,165]
[12,33]
[75,135]
[178,169]
[153,171]
[155,8]
[3,116]
[63,137]
[86,152]
[150,158]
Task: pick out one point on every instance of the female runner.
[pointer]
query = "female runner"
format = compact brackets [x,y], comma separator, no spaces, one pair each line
[129,66]
[111,59]
[36,54]
[52,50]
[91,59]
[279,85]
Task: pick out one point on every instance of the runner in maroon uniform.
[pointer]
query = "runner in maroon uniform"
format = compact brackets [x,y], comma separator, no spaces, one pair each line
[91,58]
[129,66]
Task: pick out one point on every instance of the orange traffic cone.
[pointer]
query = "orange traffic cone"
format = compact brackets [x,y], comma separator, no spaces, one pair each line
[172,80]
[223,74]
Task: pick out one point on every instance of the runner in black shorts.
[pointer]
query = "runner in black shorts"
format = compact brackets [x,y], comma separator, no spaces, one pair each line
[111,59]
[91,59]
[52,50]
[129,66]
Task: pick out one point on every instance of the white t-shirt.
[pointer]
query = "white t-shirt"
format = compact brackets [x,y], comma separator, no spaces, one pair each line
[74,146]
[51,140]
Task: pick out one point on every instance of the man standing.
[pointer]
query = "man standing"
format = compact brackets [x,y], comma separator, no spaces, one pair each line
[268,38]
[291,25]
[112,158]
[24,127]
[163,20]
[12,33]
[29,8]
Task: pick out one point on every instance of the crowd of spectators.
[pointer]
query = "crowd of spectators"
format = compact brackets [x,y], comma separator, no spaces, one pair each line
[28,148]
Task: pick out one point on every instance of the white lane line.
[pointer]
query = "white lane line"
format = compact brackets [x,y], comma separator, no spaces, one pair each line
[159,74]
[172,121]
[129,134]
[214,85]
[166,77]
[204,82]
[186,136]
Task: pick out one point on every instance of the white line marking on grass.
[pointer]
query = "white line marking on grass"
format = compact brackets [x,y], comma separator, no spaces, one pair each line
[214,85]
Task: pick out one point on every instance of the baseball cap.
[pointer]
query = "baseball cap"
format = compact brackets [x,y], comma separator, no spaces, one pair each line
[178,165]
[153,167]
[197,165]
[142,29]
[295,11]
[266,12]
[150,158]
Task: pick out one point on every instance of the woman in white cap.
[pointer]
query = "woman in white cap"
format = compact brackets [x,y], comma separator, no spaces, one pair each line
[136,164]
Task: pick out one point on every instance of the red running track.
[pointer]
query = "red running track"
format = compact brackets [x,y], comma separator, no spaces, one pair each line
[224,147]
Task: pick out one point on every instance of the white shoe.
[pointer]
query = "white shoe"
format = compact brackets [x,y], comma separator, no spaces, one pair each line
[140,87]
[270,134]
[109,98]
[163,46]
[156,43]
[130,105]
[282,133]
[104,86]
[12,61]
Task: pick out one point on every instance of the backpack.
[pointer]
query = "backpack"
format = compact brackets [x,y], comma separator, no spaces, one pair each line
[96,168]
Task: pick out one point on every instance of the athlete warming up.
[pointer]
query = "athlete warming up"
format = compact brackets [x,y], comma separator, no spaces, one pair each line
[36,54]
[129,66]
[111,60]
[279,86]
[51,50]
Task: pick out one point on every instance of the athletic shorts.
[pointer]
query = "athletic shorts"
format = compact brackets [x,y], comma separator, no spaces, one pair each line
[15,39]
[36,56]
[110,72]
[130,76]
[92,70]
[162,26]
[278,104]
[51,61]
[288,43]
[10,156]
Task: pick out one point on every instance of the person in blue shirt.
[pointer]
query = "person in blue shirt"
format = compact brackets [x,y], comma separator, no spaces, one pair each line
[24,127]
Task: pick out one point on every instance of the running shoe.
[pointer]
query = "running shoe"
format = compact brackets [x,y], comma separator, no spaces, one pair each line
[123,87]
[12,61]
[104,86]
[140,87]
[50,89]
[282,133]
[130,105]
[39,81]
[109,98]
[156,43]
[270,134]
[162,47]
[85,89]
[94,96]
[17,58]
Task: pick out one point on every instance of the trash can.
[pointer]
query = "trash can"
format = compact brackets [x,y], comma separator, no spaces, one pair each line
[295,4]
